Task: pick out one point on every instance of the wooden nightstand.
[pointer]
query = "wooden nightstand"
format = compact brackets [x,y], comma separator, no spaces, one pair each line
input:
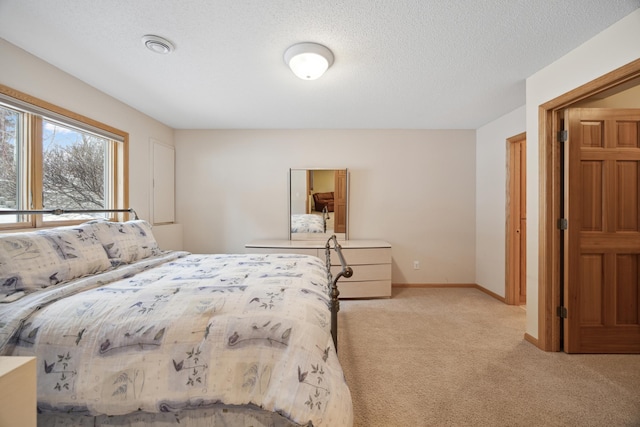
[18,389]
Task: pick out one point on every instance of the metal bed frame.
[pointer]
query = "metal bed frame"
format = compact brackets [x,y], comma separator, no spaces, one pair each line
[325,218]
[334,293]
[345,271]
[65,211]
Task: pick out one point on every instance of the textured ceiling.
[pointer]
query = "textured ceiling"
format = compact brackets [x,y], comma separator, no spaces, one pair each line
[430,64]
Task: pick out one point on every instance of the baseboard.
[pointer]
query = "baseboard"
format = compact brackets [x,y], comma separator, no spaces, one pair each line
[450,285]
[531,339]
[491,294]
[433,285]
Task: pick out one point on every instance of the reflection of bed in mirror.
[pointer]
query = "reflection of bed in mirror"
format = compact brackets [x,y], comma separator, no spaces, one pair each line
[318,203]
[310,223]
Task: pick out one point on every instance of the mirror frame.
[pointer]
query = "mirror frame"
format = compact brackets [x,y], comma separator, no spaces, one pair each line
[317,236]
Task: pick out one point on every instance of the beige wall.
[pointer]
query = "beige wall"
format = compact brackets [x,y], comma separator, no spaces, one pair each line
[413,188]
[629,98]
[616,46]
[26,73]
[323,181]
[491,190]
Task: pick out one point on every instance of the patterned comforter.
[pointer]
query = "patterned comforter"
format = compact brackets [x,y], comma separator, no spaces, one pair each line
[179,331]
[307,223]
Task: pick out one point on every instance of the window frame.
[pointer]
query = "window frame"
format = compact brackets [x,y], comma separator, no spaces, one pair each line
[117,165]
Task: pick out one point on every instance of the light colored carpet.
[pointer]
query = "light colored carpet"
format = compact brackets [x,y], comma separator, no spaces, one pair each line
[457,357]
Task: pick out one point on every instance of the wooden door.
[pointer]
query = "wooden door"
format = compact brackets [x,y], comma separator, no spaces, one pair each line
[309,199]
[602,240]
[516,274]
[340,202]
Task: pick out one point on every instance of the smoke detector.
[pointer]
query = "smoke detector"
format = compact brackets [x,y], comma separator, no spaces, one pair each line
[157,44]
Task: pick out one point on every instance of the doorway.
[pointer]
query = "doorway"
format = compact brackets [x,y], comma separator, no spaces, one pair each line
[340,201]
[551,264]
[516,236]
[602,235]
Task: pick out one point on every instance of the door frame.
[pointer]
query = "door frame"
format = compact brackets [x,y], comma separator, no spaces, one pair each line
[512,285]
[549,254]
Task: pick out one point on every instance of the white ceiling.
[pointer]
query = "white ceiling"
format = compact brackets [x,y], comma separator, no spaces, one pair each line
[399,64]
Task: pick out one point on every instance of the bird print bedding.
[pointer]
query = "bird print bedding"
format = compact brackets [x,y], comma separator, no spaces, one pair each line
[307,223]
[176,337]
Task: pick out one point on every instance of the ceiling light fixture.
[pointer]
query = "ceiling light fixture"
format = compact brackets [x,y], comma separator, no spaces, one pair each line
[308,60]
[157,44]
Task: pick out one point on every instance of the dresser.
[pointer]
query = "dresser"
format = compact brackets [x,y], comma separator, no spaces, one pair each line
[369,259]
[18,391]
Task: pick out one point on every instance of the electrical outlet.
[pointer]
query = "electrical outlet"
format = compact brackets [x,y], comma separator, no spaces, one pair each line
[416,265]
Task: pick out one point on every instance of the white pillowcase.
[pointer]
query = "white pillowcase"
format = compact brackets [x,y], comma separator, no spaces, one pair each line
[37,259]
[126,242]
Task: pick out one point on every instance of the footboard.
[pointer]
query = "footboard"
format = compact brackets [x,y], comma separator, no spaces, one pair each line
[345,271]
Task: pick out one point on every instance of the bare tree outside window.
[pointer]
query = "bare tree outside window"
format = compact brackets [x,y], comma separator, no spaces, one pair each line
[8,158]
[73,168]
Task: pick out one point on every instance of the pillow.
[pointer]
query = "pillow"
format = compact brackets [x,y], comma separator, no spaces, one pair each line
[126,242]
[37,259]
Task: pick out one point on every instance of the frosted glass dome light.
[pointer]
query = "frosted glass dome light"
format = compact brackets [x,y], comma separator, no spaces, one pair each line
[308,61]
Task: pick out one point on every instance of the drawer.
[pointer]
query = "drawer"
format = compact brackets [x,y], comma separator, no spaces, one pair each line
[374,288]
[365,272]
[18,405]
[362,256]
[302,251]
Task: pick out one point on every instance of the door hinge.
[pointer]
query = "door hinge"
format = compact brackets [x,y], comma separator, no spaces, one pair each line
[563,135]
[562,312]
[563,223]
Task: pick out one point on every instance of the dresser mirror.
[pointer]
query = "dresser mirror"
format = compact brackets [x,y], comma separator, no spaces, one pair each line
[318,204]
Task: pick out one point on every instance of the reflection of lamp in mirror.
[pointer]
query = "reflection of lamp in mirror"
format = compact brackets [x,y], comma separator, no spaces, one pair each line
[308,61]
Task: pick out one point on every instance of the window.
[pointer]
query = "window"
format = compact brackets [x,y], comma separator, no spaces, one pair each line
[51,158]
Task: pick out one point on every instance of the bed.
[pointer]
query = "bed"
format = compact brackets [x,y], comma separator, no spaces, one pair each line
[310,223]
[129,335]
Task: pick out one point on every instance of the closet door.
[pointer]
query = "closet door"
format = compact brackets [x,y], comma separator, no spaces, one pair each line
[163,181]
